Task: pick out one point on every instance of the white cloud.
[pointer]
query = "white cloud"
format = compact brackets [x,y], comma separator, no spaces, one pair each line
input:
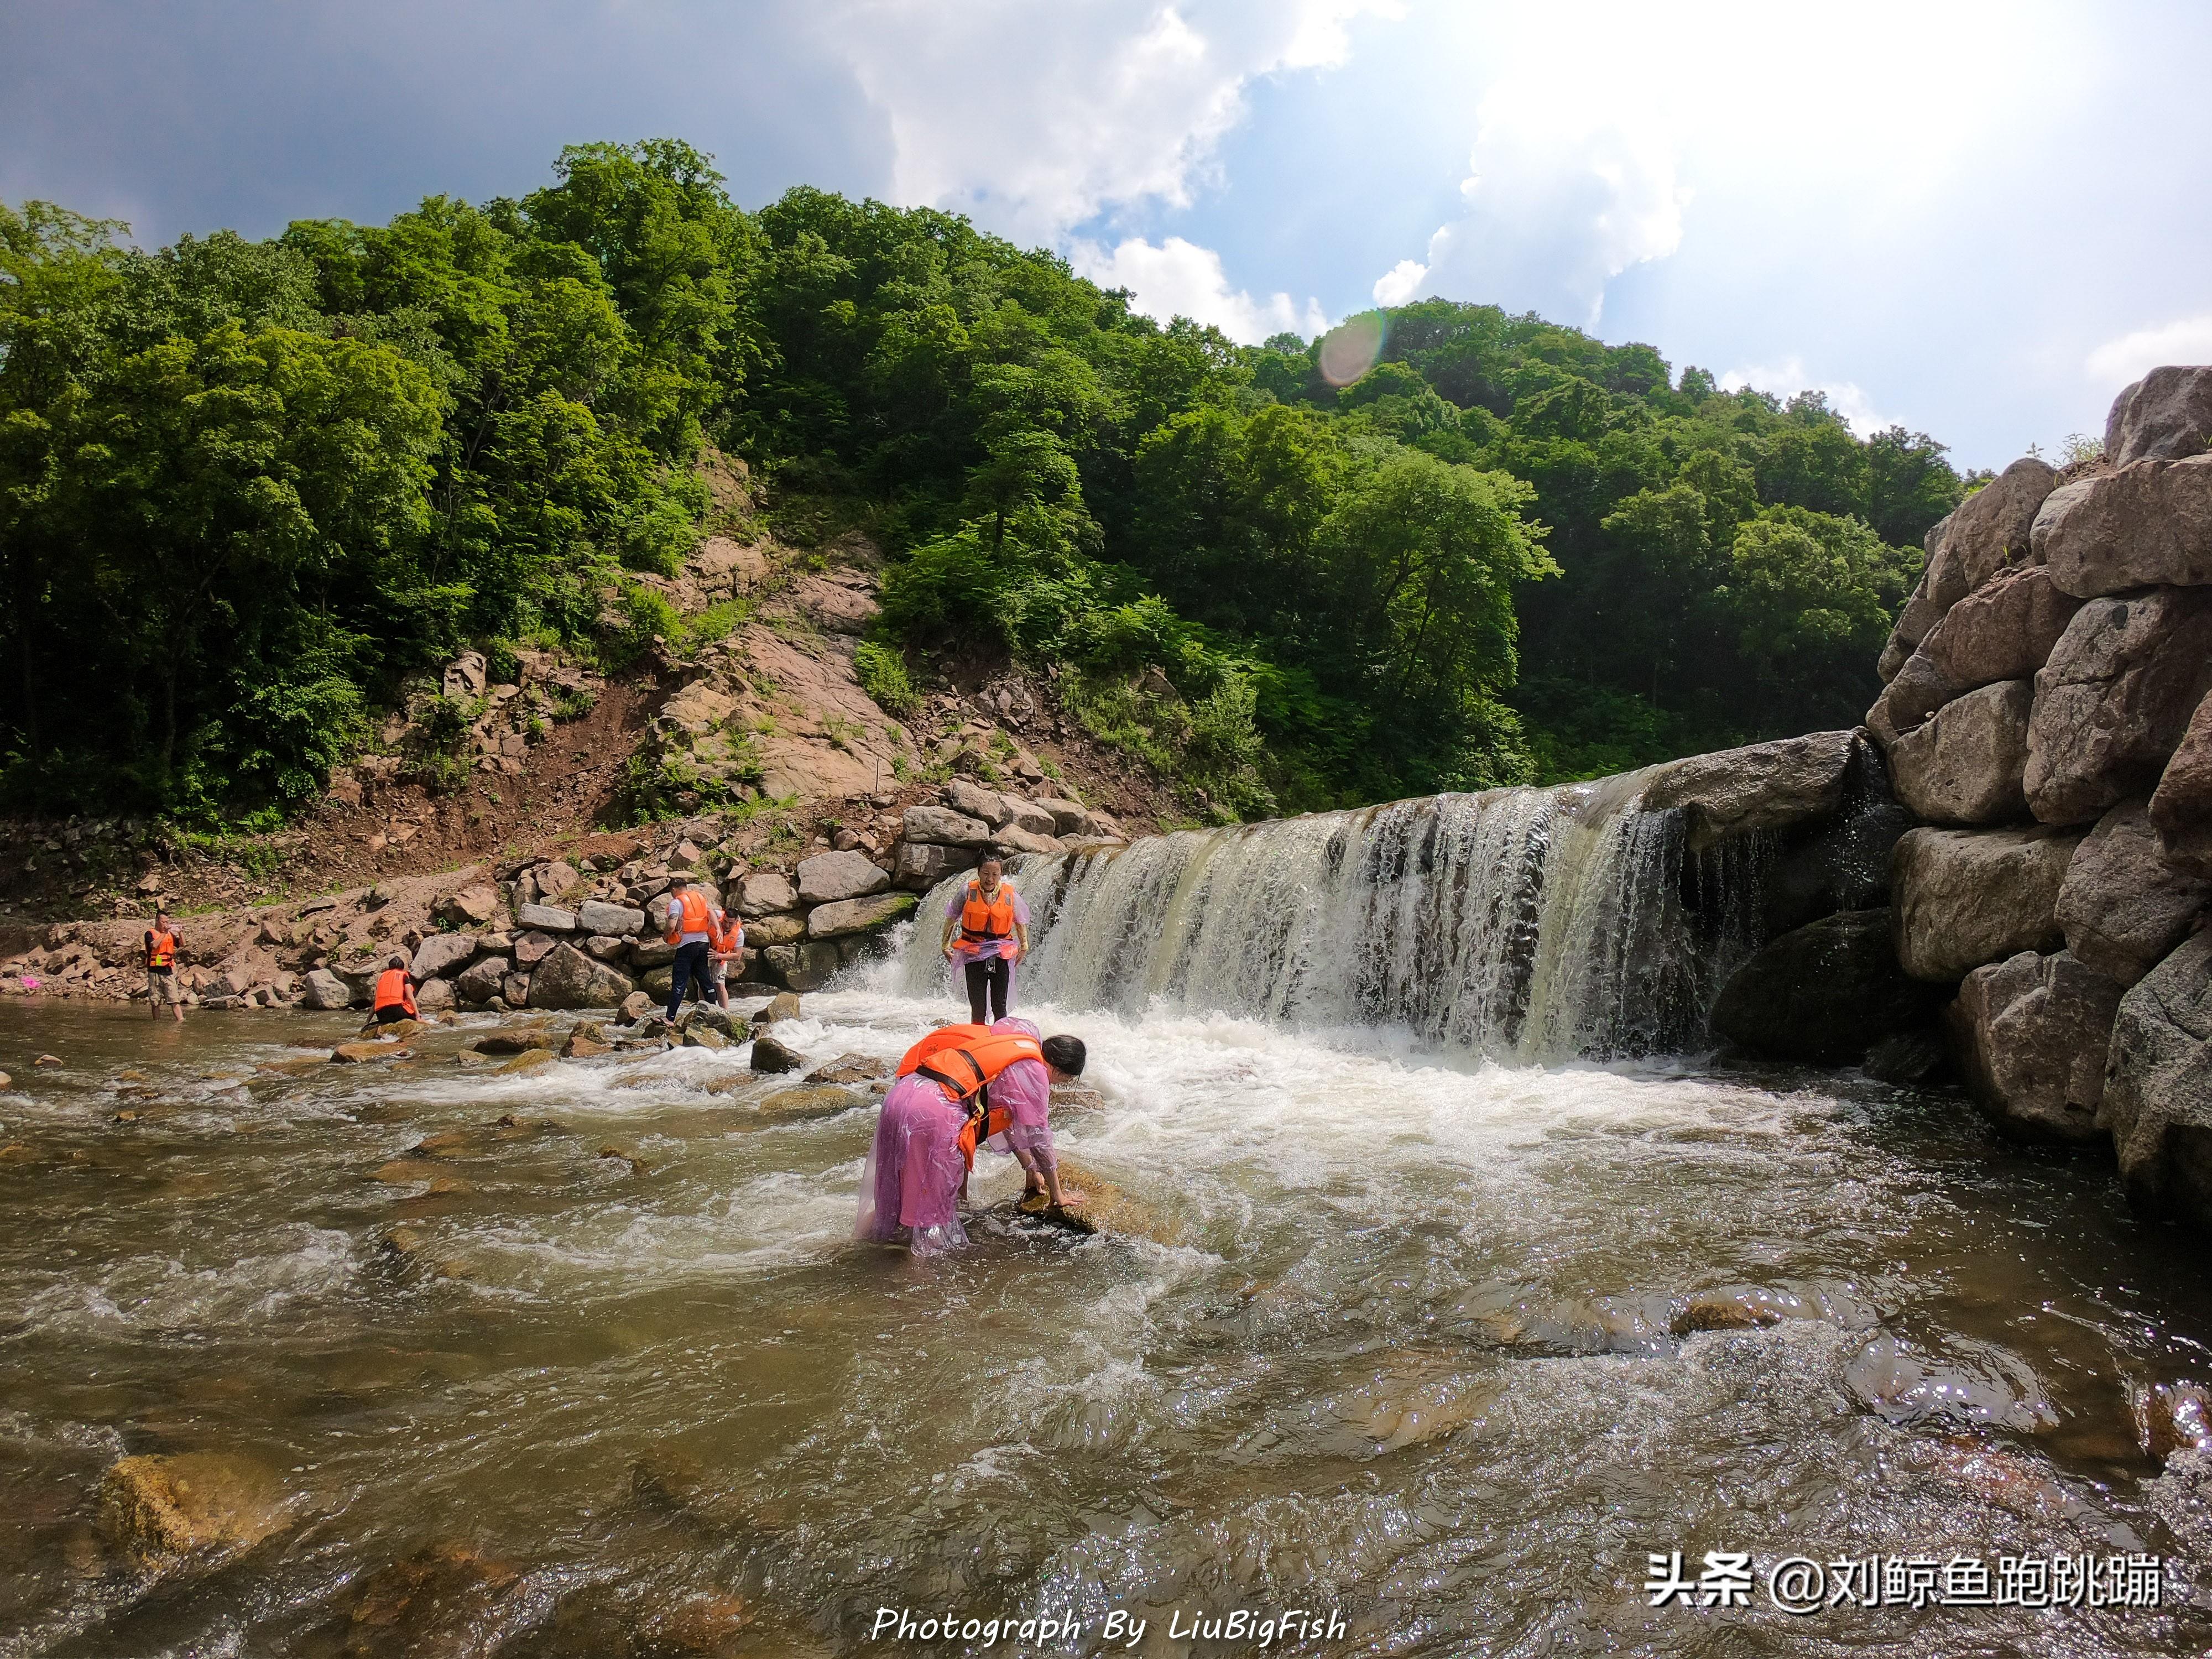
[1180,279]
[2118,362]
[1786,378]
[1034,119]
[1397,285]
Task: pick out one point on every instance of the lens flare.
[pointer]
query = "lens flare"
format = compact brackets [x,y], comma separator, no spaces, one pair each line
[1349,349]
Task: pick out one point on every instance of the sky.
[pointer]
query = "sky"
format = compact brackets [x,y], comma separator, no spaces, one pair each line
[1977,221]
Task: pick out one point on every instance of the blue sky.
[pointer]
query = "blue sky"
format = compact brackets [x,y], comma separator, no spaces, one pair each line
[1979,221]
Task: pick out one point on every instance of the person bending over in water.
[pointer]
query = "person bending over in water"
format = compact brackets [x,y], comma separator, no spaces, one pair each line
[395,992]
[1019,1118]
[926,1131]
[987,930]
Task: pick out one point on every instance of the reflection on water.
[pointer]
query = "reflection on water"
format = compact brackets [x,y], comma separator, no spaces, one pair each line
[1417,1352]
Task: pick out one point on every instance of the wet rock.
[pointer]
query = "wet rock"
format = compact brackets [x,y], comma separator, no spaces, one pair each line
[400,1243]
[1823,993]
[2029,1035]
[770,1055]
[587,1041]
[635,1006]
[765,931]
[441,954]
[322,989]
[766,892]
[518,1038]
[850,1068]
[2166,416]
[919,865]
[943,827]
[17,1152]
[2113,702]
[482,981]
[1099,1206]
[815,1101]
[2173,1417]
[783,1005]
[1766,785]
[1907,1060]
[2143,525]
[2158,1085]
[705,1036]
[803,967]
[2122,908]
[828,878]
[711,1016]
[858,915]
[536,1060]
[1414,1399]
[443,1603]
[6,1082]
[569,979]
[2182,1497]
[1740,1308]
[618,921]
[1964,765]
[155,1509]
[47,1061]
[358,1054]
[545,918]
[1968,896]
[2181,806]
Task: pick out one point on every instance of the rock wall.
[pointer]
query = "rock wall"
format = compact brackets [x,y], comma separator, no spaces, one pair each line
[2047,717]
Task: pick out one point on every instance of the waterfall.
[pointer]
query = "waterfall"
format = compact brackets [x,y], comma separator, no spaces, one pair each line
[1523,924]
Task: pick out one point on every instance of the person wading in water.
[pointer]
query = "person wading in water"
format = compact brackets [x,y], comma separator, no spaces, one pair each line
[162,988]
[395,992]
[986,929]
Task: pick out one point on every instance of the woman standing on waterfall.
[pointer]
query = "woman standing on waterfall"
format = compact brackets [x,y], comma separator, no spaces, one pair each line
[987,931]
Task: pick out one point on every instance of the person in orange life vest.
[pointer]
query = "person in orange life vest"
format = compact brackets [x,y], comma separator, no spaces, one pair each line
[161,989]
[1019,1123]
[694,922]
[987,931]
[918,1163]
[395,992]
[729,947]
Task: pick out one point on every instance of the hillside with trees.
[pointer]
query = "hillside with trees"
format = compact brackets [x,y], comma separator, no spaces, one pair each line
[248,490]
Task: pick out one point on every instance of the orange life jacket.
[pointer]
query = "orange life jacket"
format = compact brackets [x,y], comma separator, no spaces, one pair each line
[963,1060]
[691,914]
[983,920]
[160,949]
[392,991]
[729,942]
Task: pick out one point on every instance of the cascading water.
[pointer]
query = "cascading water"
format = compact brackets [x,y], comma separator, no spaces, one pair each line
[1521,924]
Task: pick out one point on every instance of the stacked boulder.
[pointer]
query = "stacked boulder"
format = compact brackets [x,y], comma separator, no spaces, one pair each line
[2047,716]
[936,841]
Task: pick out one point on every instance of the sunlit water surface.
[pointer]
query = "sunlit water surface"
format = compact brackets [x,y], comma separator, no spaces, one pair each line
[1405,1350]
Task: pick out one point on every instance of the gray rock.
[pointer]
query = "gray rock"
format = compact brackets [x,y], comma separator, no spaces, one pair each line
[2158,1085]
[435,996]
[635,1006]
[1915,692]
[514,990]
[1765,785]
[649,953]
[2181,807]
[2114,699]
[1067,817]
[483,979]
[766,892]
[943,827]
[803,967]
[828,878]
[569,979]
[921,865]
[605,947]
[771,1056]
[1015,839]
[1992,528]
[1964,765]
[2029,1035]
[2144,525]
[619,920]
[2003,630]
[545,918]
[325,989]
[1824,993]
[975,801]
[1033,817]
[531,949]
[858,915]
[2166,416]
[442,954]
[782,1005]
[2124,908]
[1968,896]
[765,931]
[472,907]
[1921,612]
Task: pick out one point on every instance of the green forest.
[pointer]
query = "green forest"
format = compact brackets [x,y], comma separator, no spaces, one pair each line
[248,488]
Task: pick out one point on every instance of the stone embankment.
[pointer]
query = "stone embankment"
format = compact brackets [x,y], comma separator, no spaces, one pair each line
[550,933]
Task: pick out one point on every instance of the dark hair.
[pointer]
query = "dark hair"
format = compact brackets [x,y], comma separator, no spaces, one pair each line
[1065,1054]
[991,855]
[396,962]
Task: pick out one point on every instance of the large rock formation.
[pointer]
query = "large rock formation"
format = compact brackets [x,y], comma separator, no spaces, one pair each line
[569,979]
[1965,763]
[1990,529]
[1966,898]
[1823,993]
[2112,702]
[2122,908]
[2145,524]
[2158,1085]
[1765,785]
[2030,1034]
[2166,416]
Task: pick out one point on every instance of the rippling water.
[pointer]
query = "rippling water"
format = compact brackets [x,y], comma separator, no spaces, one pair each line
[1403,1347]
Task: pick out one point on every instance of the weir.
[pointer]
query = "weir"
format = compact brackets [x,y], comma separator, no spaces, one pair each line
[1523,925]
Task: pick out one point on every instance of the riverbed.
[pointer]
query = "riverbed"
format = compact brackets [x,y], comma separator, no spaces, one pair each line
[1406,1337]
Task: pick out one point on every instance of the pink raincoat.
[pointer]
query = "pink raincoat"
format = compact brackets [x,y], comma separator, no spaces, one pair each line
[911,1182]
[1023,1090]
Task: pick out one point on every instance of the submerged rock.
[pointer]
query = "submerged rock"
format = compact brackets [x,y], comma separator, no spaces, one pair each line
[158,1508]
[770,1055]
[1099,1206]
[442,1601]
[1824,993]
[850,1068]
[816,1100]
[2173,1417]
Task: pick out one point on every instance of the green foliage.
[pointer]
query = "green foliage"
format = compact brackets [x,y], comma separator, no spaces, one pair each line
[881,673]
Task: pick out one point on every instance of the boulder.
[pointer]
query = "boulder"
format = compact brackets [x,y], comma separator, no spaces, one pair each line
[943,827]
[766,892]
[2166,416]
[803,967]
[1766,785]
[815,1100]
[771,1056]
[155,1509]
[2122,908]
[1067,817]
[1915,692]
[858,915]
[1992,528]
[2003,630]
[465,677]
[975,801]
[2158,1085]
[515,991]
[921,865]
[1964,763]
[636,1007]
[545,918]
[1099,1206]
[2028,1034]
[569,979]
[519,1037]
[555,879]
[360,1053]
[619,920]
[1032,818]
[765,931]
[704,1036]
[586,1041]
[531,949]
[850,1068]
[1968,896]
[442,954]
[1824,993]
[1015,839]
[2143,526]
[483,979]
[829,878]
[649,953]
[2181,806]
[782,1005]
[605,947]
[434,996]
[325,989]
[2115,699]
[472,907]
